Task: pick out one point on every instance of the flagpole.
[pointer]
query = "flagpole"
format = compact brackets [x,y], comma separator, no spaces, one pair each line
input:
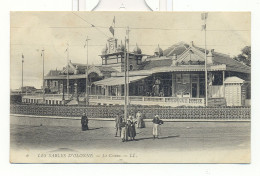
[206,71]
[114,26]
[125,86]
[87,96]
[22,72]
[68,72]
[128,54]
[43,92]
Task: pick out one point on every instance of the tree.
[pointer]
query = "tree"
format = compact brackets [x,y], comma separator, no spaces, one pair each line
[245,56]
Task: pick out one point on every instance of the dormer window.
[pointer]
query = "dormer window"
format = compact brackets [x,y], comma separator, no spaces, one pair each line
[139,60]
[131,67]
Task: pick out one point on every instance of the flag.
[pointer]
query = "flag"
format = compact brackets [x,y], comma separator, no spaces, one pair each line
[203,27]
[111,29]
[114,20]
[204,16]
[22,56]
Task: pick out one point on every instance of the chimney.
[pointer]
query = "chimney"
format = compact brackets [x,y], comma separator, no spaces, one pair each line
[174,60]
[210,57]
[192,43]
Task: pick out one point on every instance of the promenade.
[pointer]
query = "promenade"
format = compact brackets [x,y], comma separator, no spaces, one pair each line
[207,140]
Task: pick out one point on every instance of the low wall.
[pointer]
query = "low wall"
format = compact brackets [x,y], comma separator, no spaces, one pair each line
[221,113]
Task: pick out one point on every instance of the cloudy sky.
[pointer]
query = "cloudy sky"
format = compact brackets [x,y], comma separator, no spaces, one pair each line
[33,31]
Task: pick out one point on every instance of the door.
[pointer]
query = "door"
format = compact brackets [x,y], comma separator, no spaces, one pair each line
[194,89]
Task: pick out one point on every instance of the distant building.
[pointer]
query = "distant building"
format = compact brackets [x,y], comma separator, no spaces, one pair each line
[171,77]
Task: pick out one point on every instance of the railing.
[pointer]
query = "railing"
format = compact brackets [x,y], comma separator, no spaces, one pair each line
[46,96]
[142,100]
[164,100]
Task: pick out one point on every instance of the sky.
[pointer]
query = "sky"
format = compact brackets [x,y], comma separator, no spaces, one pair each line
[55,31]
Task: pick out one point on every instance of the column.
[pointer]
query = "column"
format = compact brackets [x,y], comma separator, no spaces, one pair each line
[173,84]
[223,77]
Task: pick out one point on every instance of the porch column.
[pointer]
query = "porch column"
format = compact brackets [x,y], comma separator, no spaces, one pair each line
[223,76]
[173,84]
[106,90]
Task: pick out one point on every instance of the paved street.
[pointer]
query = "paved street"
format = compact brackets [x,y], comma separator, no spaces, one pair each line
[66,135]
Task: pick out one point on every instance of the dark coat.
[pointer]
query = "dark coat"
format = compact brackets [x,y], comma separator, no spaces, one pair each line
[84,120]
[84,123]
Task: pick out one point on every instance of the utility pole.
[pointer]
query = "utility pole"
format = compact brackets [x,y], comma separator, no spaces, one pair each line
[43,91]
[204,17]
[22,73]
[87,93]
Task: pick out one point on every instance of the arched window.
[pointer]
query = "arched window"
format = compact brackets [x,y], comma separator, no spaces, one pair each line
[131,67]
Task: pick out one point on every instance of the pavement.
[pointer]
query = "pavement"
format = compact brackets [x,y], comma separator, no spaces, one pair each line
[184,141]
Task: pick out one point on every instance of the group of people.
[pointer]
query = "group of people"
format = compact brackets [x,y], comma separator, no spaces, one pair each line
[126,129]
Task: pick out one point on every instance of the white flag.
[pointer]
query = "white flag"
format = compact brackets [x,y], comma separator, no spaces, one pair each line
[204,16]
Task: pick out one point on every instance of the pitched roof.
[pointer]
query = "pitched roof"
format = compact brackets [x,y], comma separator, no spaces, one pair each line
[194,55]
[147,65]
[53,73]
[176,49]
[232,64]
[234,79]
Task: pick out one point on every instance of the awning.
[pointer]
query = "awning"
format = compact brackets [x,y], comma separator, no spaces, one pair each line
[117,80]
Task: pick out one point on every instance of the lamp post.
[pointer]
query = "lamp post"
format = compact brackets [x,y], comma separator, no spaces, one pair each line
[87,93]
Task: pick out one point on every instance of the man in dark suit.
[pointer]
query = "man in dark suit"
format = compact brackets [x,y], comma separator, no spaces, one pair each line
[84,122]
[118,121]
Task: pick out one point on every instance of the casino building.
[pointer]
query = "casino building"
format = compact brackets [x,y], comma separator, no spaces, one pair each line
[171,77]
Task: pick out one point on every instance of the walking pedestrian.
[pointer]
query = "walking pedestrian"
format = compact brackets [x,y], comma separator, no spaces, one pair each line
[156,127]
[84,122]
[118,121]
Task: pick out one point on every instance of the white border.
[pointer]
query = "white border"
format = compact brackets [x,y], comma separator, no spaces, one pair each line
[130,169]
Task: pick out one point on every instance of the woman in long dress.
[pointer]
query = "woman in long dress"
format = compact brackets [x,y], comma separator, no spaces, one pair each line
[131,128]
[140,120]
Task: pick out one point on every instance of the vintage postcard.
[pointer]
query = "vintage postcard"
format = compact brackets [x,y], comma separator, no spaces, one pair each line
[130,87]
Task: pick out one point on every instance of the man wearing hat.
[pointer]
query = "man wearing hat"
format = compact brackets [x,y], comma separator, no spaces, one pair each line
[156,123]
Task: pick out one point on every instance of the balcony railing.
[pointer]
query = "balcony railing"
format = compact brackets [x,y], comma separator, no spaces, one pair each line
[135,100]
[165,101]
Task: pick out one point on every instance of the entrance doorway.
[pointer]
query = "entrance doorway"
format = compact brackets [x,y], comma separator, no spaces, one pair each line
[194,90]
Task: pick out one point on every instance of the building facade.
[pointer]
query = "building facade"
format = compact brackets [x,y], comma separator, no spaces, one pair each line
[171,77]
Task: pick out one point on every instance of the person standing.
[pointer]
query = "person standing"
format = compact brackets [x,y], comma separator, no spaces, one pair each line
[124,130]
[139,119]
[84,122]
[156,128]
[118,121]
[131,128]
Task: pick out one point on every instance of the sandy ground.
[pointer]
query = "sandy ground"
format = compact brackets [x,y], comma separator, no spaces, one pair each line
[180,142]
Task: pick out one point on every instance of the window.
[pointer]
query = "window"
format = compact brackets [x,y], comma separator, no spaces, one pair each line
[178,78]
[131,67]
[194,78]
[186,78]
[139,61]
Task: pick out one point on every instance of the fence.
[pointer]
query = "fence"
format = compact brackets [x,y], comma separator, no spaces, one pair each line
[210,113]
